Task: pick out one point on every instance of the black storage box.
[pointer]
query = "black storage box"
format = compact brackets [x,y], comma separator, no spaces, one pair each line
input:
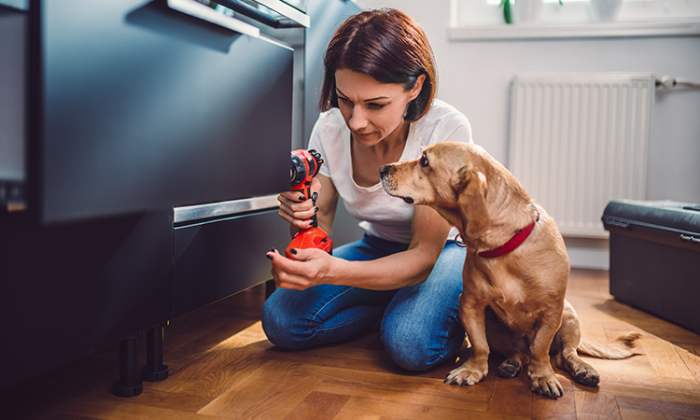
[655,258]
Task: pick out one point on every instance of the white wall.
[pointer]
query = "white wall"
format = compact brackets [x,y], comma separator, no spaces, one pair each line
[475,77]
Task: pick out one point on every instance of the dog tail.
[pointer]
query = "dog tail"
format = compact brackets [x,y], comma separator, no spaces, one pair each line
[619,348]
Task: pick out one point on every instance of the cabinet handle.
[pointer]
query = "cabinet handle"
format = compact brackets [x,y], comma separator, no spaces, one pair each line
[200,11]
[253,13]
[224,208]
[287,11]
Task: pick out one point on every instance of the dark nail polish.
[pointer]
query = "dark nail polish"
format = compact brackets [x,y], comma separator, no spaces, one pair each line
[315,209]
[293,251]
[314,196]
[269,256]
[302,198]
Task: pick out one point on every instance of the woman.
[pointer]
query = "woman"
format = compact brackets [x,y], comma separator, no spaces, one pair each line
[405,275]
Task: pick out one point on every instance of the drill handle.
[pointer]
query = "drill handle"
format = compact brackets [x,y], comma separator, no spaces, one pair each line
[313,196]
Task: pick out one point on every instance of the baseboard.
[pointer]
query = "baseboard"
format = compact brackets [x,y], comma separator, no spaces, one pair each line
[588,253]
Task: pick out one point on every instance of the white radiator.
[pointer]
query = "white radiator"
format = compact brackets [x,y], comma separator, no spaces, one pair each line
[578,140]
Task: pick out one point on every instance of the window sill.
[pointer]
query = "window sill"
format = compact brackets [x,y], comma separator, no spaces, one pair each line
[573,31]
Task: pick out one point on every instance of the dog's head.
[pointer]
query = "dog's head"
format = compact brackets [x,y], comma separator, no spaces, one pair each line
[450,177]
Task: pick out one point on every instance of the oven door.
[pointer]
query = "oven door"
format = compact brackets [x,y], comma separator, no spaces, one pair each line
[145,107]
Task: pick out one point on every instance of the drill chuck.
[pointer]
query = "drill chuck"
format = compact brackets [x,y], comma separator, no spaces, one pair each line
[305,166]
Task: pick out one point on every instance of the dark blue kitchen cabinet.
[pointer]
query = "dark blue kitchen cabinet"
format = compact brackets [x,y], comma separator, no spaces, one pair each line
[131,110]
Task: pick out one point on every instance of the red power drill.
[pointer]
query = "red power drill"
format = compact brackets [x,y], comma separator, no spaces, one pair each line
[305,165]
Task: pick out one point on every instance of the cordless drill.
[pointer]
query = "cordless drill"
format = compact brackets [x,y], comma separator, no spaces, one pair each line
[305,165]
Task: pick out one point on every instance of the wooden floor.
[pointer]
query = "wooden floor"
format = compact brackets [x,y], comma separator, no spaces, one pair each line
[222,367]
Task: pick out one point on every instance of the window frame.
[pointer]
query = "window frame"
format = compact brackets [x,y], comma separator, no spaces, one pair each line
[486,21]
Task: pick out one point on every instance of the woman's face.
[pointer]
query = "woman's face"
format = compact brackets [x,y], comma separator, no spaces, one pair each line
[372,110]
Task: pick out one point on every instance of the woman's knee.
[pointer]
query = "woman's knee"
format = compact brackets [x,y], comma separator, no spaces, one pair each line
[283,328]
[412,348]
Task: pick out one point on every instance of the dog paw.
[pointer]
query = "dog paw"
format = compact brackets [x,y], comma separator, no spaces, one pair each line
[465,375]
[547,386]
[587,377]
[509,369]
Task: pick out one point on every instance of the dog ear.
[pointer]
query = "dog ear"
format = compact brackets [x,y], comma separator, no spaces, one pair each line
[470,187]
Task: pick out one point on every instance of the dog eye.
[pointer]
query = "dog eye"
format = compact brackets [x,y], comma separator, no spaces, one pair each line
[423,162]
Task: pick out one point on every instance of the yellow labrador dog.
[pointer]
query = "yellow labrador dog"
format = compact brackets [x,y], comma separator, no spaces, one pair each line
[516,270]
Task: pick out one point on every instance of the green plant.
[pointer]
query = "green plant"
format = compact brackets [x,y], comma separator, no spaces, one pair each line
[508,10]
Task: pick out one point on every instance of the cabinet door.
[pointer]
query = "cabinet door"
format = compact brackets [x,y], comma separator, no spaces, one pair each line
[144,107]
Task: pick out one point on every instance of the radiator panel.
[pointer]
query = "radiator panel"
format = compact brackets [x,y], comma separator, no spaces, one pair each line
[579,140]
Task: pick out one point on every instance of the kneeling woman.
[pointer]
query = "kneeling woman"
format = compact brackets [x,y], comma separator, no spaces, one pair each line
[405,275]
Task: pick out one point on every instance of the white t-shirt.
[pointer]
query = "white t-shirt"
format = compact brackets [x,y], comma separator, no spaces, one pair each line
[380,214]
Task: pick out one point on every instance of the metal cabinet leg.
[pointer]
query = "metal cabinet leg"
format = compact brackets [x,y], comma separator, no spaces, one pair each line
[128,384]
[154,370]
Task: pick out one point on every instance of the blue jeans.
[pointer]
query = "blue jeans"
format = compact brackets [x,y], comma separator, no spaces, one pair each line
[420,324]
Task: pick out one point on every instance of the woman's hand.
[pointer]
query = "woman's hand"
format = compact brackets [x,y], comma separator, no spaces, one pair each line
[310,267]
[295,211]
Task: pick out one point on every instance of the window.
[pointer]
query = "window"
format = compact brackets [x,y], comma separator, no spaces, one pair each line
[467,13]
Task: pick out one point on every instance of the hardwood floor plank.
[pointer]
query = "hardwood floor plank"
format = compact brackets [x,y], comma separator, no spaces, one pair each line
[240,397]
[690,409]
[483,389]
[378,380]
[122,411]
[403,395]
[318,406]
[408,411]
[512,397]
[690,355]
[203,364]
[664,389]
[253,334]
[640,415]
[218,381]
[374,362]
[354,416]
[281,400]
[227,328]
[665,360]
[596,406]
[63,416]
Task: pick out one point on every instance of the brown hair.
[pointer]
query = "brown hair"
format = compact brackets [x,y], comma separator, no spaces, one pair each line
[387,45]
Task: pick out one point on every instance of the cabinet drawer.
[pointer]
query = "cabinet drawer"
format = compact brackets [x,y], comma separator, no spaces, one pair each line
[144,107]
[217,259]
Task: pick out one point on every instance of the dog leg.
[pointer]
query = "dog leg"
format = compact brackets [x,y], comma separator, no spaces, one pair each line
[505,341]
[476,367]
[565,343]
[540,371]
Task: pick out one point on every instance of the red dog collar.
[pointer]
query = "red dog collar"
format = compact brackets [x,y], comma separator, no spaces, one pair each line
[511,245]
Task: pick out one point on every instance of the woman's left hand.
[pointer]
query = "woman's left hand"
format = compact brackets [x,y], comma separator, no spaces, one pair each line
[308,268]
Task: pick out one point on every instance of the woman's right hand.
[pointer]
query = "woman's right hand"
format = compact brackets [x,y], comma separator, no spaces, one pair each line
[297,212]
